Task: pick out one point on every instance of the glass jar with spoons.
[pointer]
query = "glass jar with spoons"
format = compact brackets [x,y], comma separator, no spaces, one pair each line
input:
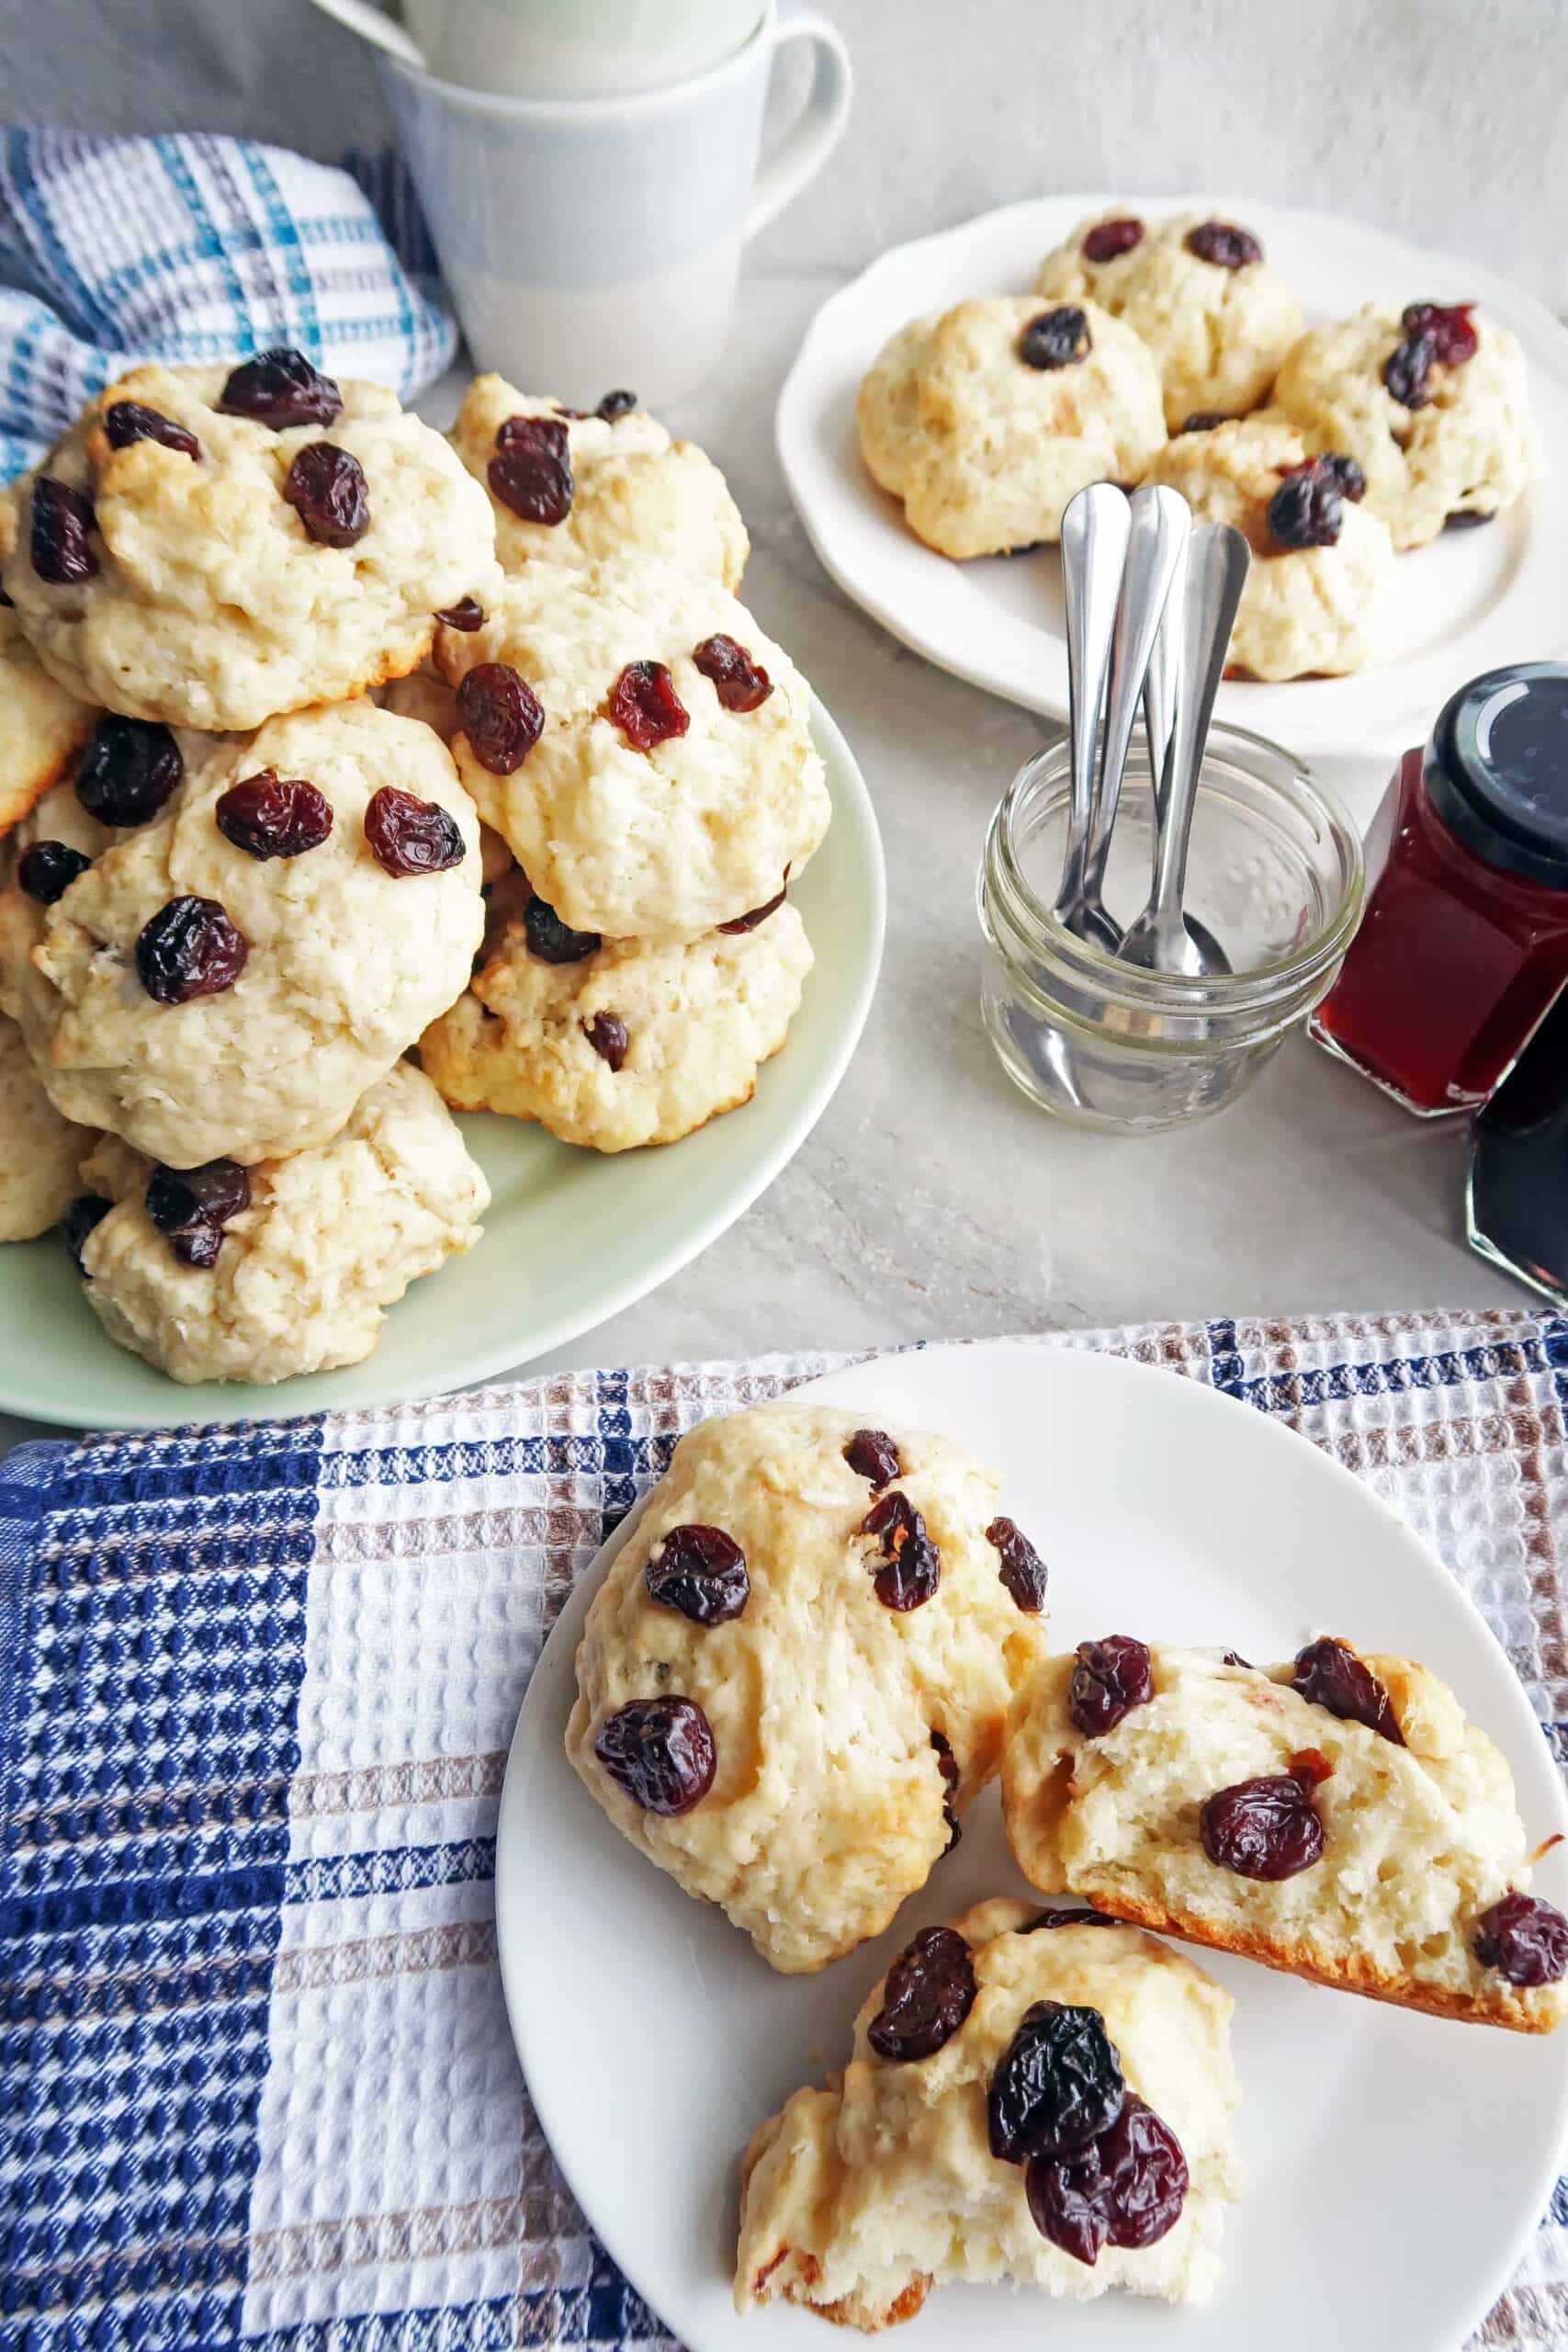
[1222,840]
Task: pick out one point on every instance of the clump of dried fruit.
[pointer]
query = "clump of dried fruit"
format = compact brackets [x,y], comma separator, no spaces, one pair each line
[501,715]
[1058,338]
[701,1573]
[928,1993]
[1023,1570]
[1110,1679]
[127,771]
[189,948]
[280,388]
[412,836]
[271,816]
[661,1752]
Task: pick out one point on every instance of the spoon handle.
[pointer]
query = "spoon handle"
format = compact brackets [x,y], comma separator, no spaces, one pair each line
[1095,531]
[1161,523]
[1161,688]
[1217,562]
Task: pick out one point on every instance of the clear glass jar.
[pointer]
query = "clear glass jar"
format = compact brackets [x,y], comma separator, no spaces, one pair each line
[1275,872]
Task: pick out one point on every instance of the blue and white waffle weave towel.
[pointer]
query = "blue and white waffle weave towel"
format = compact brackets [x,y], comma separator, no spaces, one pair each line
[256,1687]
[192,248]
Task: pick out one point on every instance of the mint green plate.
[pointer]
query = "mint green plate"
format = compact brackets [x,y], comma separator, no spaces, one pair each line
[569,1237]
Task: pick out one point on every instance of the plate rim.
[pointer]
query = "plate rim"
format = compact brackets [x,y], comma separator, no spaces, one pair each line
[1092,1363]
[855,810]
[798,418]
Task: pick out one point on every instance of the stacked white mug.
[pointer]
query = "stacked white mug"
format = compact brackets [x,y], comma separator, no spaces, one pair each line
[589,170]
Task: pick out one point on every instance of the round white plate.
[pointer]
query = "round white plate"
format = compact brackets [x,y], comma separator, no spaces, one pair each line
[570,1237]
[1472,600]
[1395,2165]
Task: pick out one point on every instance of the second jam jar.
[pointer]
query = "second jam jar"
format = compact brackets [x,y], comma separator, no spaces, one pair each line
[1464,943]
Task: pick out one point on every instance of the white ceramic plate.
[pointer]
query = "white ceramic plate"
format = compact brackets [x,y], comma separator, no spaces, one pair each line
[570,1237]
[1471,601]
[1395,2165]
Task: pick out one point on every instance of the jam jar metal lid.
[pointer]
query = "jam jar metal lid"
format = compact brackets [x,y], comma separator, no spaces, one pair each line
[1497,770]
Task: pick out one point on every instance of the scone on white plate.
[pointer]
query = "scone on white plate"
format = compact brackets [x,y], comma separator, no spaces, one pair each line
[1043,2098]
[1433,404]
[1334,1817]
[615,1043]
[1216,318]
[210,546]
[260,926]
[987,420]
[569,488]
[1323,570]
[794,1678]
[644,749]
[39,1151]
[42,727]
[226,1272]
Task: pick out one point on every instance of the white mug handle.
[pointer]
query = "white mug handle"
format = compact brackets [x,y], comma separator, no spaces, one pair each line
[807,146]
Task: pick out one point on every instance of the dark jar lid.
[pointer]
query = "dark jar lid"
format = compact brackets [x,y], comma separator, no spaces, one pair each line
[1497,770]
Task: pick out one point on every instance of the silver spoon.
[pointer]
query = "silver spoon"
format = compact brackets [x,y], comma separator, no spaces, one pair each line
[1161,523]
[1095,531]
[1161,689]
[1164,938]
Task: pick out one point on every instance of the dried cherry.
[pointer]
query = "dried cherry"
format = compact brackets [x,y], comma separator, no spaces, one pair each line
[645,705]
[871,1455]
[739,683]
[1058,2085]
[327,489]
[609,1036]
[468,614]
[412,836]
[928,1993]
[911,1565]
[82,1216]
[1525,1940]
[1110,1679]
[189,948]
[280,388]
[661,1752]
[501,715]
[1330,1675]
[1222,243]
[271,816]
[551,940]
[1058,338]
[127,771]
[1108,239]
[1125,2188]
[61,541]
[1022,1571]
[701,1573]
[531,471]
[128,421]
[1268,1829]
[47,870]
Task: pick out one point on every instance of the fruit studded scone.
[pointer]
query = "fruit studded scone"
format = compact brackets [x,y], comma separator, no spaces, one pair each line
[644,749]
[1431,402]
[1334,1817]
[571,488]
[1038,2097]
[42,727]
[1199,294]
[987,420]
[1323,568]
[39,1151]
[224,1272]
[794,1678]
[615,1043]
[210,546]
[214,945]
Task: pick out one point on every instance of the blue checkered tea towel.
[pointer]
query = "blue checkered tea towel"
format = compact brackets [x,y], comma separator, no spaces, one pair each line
[193,247]
[257,1689]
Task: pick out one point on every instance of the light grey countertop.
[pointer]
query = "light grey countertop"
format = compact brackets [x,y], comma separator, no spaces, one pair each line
[934,1201]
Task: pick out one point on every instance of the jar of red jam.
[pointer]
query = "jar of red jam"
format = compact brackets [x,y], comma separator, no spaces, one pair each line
[1464,944]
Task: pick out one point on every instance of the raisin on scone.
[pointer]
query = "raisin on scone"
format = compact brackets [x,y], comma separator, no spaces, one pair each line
[1323,570]
[39,1151]
[211,546]
[567,489]
[1216,320]
[794,1678]
[616,1043]
[1431,402]
[644,749]
[1040,2098]
[261,1273]
[1334,1817]
[258,927]
[987,420]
